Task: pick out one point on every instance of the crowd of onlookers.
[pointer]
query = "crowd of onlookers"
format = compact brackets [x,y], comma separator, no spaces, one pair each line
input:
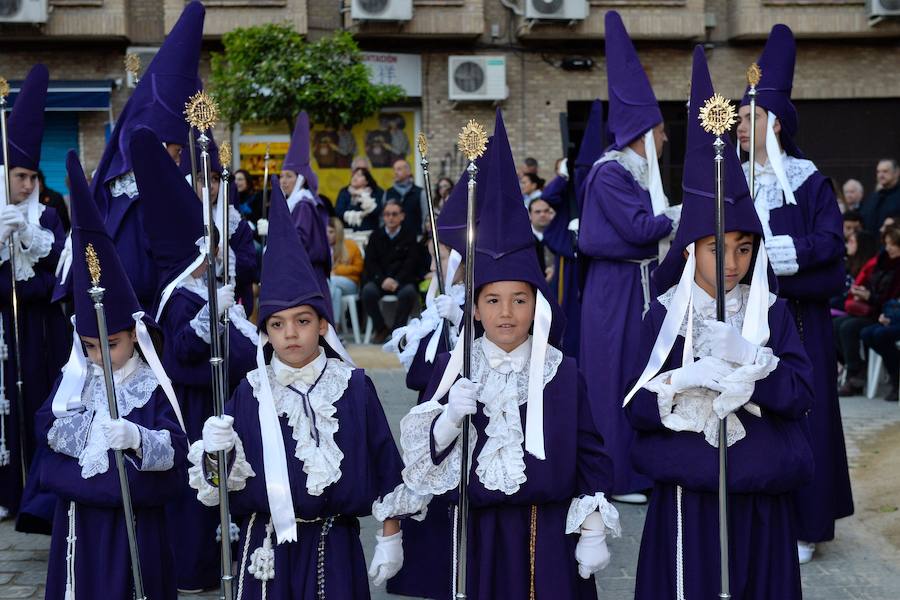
[867,314]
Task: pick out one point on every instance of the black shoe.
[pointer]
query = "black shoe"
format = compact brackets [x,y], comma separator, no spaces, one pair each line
[893,394]
[849,389]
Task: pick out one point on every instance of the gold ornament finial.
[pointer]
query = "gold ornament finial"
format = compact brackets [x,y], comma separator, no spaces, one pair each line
[754,74]
[422,144]
[132,64]
[93,264]
[717,115]
[4,87]
[225,155]
[202,111]
[472,140]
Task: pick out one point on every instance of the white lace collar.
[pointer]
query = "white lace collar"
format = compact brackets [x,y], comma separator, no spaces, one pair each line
[705,305]
[120,374]
[501,463]
[313,420]
[768,192]
[305,376]
[124,185]
[631,161]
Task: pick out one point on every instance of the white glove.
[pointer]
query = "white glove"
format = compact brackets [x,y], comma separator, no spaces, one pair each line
[591,552]
[122,435]
[388,558]
[574,224]
[563,170]
[704,373]
[727,343]
[13,218]
[219,434]
[448,309]
[461,402]
[262,227]
[225,298]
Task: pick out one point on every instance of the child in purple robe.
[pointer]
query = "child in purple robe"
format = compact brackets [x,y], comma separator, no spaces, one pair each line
[310,450]
[751,370]
[537,476]
[89,550]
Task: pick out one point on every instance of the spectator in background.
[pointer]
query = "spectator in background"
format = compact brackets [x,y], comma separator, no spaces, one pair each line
[359,204]
[411,196]
[361,162]
[391,266]
[530,166]
[852,223]
[878,281]
[441,193]
[882,338]
[885,200]
[248,203]
[889,221]
[540,213]
[52,198]
[853,194]
[346,266]
[532,186]
[861,247]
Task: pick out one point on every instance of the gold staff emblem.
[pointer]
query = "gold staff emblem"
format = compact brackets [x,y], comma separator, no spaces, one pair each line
[717,115]
[472,140]
[4,88]
[225,154]
[93,264]
[754,74]
[202,111]
[422,144]
[132,64]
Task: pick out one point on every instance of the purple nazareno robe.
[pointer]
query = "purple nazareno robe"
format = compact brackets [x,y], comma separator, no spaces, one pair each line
[186,360]
[773,460]
[246,265]
[310,217]
[618,231]
[102,567]
[815,226]
[499,546]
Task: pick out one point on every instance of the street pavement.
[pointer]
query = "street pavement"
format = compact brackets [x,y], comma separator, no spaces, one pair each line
[859,565]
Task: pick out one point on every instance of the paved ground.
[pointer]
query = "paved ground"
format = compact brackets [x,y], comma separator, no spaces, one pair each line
[860,565]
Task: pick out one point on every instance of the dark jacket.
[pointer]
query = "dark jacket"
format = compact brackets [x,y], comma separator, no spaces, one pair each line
[412,206]
[878,205]
[397,258]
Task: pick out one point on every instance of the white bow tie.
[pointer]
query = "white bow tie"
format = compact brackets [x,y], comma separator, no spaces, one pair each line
[506,363]
[733,305]
[288,376]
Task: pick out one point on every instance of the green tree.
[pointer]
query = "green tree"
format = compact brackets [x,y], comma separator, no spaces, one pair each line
[269,73]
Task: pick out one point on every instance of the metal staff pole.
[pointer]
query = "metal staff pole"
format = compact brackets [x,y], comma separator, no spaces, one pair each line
[717,116]
[24,459]
[195,183]
[264,209]
[472,143]
[96,293]
[225,161]
[422,143]
[754,73]
[202,112]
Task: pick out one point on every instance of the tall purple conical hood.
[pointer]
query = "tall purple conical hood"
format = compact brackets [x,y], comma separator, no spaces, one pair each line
[451,222]
[633,109]
[288,278]
[25,125]
[119,301]
[172,213]
[592,144]
[699,185]
[297,159]
[159,98]
[774,90]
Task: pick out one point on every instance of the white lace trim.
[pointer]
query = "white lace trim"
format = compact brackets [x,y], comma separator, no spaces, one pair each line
[236,314]
[401,501]
[500,465]
[322,460]
[418,329]
[782,254]
[581,507]
[238,475]
[632,162]
[124,185]
[769,195]
[41,242]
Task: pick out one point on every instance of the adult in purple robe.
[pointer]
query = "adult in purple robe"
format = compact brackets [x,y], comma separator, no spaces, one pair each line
[804,235]
[618,239]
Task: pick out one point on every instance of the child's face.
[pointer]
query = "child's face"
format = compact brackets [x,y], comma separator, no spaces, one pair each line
[121,348]
[294,334]
[506,310]
[738,254]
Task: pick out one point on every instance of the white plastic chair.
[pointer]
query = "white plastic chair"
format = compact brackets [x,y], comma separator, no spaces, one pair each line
[874,375]
[348,307]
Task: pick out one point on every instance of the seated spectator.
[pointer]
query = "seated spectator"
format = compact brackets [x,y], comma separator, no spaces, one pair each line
[391,266]
[411,196]
[882,338]
[861,247]
[885,200]
[346,266]
[853,194]
[541,214]
[852,223]
[530,166]
[532,186]
[359,204]
[441,193]
[878,281]
[889,221]
[52,198]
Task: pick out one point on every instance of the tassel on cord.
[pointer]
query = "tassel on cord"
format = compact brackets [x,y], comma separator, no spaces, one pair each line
[262,561]
[234,532]
[4,401]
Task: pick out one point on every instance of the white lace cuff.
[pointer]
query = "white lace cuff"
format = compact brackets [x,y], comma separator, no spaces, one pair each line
[585,506]
[405,340]
[207,493]
[421,473]
[68,434]
[782,254]
[41,243]
[401,502]
[200,324]
[157,453]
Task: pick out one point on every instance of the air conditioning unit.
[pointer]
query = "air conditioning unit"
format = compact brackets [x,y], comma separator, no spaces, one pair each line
[23,11]
[882,8]
[477,77]
[381,10]
[562,10]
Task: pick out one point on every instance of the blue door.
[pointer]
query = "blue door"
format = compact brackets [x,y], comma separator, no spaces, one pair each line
[60,136]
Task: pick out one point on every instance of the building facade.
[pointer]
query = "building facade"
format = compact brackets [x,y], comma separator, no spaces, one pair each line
[847,80]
